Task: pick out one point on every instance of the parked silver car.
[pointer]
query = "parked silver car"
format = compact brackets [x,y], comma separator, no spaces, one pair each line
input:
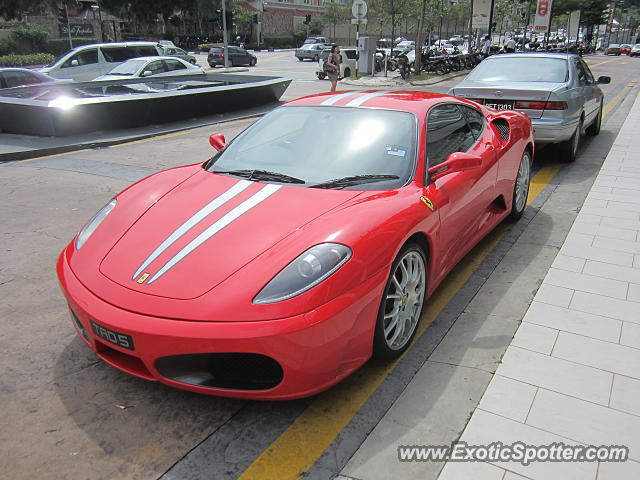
[556,90]
[151,66]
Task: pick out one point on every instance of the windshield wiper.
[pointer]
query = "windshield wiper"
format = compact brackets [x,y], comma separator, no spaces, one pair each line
[354,180]
[261,175]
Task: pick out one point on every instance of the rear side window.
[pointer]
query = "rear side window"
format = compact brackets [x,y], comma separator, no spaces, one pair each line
[156,67]
[475,120]
[351,54]
[15,79]
[447,132]
[86,57]
[115,54]
[174,65]
[149,51]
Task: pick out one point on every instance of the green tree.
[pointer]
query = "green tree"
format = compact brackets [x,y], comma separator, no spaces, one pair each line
[243,19]
[335,13]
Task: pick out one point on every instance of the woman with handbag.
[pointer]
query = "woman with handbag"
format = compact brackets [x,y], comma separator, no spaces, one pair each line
[332,66]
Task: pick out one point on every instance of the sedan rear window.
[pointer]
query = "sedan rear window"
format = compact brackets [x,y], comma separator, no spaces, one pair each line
[521,69]
[318,144]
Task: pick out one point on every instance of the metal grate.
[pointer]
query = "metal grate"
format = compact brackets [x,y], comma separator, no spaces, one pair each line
[503,128]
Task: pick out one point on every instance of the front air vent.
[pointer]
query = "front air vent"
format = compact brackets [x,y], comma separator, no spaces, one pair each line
[503,128]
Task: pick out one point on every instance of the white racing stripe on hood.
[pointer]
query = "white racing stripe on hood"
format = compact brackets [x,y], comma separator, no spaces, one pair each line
[336,98]
[192,222]
[356,102]
[218,225]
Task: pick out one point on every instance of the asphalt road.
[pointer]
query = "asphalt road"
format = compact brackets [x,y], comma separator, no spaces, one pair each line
[68,415]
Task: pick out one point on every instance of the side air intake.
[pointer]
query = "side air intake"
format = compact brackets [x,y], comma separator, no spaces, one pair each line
[503,128]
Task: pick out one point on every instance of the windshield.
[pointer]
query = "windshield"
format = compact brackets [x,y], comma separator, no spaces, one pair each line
[318,144]
[127,68]
[521,69]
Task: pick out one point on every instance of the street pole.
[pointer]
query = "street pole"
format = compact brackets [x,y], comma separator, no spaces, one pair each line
[224,33]
[493,4]
[470,28]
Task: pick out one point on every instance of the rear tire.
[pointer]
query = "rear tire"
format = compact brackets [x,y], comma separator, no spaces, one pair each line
[252,62]
[347,72]
[301,59]
[570,147]
[521,186]
[594,129]
[401,304]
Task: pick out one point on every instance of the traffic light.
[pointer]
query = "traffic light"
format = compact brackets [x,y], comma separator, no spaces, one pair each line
[230,14]
[254,18]
[62,16]
[307,19]
[218,17]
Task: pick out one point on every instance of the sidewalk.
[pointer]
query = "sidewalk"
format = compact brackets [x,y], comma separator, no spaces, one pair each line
[393,80]
[571,373]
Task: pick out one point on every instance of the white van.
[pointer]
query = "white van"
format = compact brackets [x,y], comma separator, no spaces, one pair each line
[87,62]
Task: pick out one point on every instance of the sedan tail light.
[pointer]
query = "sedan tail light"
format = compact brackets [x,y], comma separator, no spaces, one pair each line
[529,105]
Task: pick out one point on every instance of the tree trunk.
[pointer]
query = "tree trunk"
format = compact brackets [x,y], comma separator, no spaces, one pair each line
[419,37]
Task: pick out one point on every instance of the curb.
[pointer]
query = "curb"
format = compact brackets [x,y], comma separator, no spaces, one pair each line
[396,82]
[226,70]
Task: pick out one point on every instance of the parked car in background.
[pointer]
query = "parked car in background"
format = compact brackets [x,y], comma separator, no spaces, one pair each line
[178,53]
[310,51]
[166,43]
[635,50]
[625,49]
[613,49]
[322,40]
[20,77]
[406,45]
[151,67]
[347,67]
[556,90]
[237,56]
[87,62]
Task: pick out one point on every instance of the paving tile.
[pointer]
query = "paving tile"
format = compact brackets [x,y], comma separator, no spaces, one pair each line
[608,356]
[625,206]
[535,337]
[598,188]
[614,197]
[508,398]
[595,202]
[553,295]
[607,270]
[620,245]
[587,283]
[582,323]
[604,231]
[612,213]
[485,428]
[556,374]
[575,238]
[584,421]
[628,470]
[514,476]
[625,395]
[587,218]
[630,335]
[471,470]
[631,224]
[634,294]
[571,264]
[605,306]
[636,261]
[599,254]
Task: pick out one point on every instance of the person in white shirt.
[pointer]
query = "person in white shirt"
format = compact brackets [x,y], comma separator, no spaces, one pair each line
[486,46]
[510,46]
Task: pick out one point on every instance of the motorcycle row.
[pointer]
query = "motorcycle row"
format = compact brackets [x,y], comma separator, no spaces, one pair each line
[433,61]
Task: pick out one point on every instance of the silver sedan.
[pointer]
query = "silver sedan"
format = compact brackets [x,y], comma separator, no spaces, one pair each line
[556,90]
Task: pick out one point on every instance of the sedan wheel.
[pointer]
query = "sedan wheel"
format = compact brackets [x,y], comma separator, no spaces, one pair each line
[521,187]
[253,62]
[402,303]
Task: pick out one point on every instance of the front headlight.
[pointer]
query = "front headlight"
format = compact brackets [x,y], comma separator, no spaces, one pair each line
[305,272]
[92,224]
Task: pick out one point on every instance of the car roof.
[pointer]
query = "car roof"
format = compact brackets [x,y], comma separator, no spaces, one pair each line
[535,55]
[416,102]
[117,44]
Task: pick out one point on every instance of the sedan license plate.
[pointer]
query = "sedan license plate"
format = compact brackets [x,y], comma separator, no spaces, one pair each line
[120,339]
[500,105]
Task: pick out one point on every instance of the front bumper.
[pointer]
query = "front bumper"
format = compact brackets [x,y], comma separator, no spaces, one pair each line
[315,350]
[552,130]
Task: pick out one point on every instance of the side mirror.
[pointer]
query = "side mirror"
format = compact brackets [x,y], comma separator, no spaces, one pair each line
[146,73]
[74,63]
[456,162]
[217,141]
[604,80]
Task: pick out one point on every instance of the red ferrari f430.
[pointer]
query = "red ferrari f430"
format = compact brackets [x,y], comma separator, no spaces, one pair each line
[303,247]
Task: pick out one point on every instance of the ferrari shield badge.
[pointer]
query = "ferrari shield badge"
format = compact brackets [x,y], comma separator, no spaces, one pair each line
[427,201]
[143,277]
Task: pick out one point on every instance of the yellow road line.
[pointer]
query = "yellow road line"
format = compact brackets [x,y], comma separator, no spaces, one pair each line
[601,63]
[300,446]
[275,57]
[617,99]
[51,156]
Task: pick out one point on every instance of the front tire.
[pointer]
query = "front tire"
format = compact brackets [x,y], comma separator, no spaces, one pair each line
[402,303]
[252,62]
[521,186]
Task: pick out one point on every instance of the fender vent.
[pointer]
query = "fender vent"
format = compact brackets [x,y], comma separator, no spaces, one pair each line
[503,128]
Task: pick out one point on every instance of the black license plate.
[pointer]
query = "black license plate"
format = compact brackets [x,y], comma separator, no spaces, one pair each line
[499,105]
[120,339]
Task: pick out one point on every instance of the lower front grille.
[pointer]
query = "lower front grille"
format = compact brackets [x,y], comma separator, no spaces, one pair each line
[236,371]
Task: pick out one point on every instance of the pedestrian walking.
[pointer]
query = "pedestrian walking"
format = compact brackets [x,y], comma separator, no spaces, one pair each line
[486,46]
[510,46]
[332,66]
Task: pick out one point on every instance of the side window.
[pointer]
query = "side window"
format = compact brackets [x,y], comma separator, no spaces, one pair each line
[179,51]
[581,74]
[156,67]
[351,54]
[15,79]
[587,71]
[447,132]
[115,54]
[475,120]
[86,57]
[143,52]
[174,65]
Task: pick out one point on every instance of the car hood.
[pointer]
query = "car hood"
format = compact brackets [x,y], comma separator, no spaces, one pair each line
[115,77]
[208,228]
